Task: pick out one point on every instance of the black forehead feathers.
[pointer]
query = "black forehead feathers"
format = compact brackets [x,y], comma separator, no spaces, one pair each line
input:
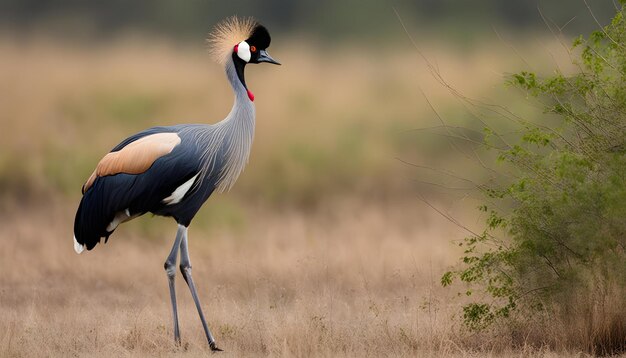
[260,37]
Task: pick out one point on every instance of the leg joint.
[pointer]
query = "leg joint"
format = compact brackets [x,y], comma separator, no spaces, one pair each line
[170,268]
[185,267]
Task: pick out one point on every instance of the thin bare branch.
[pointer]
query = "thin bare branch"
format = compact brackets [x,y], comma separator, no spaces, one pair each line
[446,216]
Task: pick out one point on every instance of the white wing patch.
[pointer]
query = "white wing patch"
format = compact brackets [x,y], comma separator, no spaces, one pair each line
[180,192]
[120,217]
[78,247]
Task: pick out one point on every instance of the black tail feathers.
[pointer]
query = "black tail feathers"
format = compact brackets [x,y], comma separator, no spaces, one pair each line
[98,207]
[89,227]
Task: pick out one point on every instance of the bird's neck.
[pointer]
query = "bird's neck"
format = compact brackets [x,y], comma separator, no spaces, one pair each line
[241,116]
[242,98]
[233,136]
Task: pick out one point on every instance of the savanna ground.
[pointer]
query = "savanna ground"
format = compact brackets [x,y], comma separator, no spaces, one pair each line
[322,248]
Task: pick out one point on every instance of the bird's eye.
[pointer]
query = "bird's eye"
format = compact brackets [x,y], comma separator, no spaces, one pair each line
[252,49]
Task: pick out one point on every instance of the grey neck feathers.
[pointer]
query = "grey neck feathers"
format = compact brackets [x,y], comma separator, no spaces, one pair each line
[226,145]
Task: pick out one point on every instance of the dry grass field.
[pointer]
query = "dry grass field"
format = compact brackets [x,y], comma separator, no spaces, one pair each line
[351,280]
[321,249]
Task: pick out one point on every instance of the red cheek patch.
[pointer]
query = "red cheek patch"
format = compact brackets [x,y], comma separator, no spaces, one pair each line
[236,48]
[250,95]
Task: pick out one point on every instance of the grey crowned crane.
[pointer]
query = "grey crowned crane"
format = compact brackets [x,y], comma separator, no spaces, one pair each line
[172,171]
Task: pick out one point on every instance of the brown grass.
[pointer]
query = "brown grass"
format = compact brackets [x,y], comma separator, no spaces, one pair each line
[350,280]
[353,279]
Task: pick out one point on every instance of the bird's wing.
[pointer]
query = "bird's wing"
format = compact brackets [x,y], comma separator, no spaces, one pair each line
[135,157]
[136,177]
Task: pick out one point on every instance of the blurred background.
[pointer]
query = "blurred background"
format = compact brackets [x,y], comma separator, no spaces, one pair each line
[328,196]
[327,21]
[78,76]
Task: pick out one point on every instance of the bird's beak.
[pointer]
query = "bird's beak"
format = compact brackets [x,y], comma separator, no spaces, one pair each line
[265,57]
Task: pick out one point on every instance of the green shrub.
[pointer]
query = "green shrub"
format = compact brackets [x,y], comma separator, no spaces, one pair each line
[562,237]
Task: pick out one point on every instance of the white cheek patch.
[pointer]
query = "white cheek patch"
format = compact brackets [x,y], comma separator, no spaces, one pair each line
[243,51]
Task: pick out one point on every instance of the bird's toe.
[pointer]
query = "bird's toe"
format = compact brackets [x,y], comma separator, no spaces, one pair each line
[214,347]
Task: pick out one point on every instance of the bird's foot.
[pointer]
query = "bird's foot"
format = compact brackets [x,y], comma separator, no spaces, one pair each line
[214,347]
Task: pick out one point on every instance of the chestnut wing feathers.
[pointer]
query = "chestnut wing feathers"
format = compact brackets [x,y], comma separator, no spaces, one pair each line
[136,157]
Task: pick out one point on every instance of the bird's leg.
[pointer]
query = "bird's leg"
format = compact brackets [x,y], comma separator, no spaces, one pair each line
[170,269]
[185,269]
